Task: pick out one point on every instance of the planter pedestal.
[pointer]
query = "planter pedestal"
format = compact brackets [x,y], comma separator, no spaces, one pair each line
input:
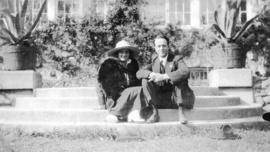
[235,82]
[18,84]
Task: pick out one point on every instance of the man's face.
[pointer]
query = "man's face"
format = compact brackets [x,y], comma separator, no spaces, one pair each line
[161,47]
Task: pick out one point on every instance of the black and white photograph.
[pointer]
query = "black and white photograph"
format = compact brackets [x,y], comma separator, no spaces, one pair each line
[134,75]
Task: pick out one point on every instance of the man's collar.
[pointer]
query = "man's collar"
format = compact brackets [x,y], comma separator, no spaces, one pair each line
[169,57]
[163,58]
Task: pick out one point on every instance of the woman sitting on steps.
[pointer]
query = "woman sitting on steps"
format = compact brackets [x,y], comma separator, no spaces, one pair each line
[119,90]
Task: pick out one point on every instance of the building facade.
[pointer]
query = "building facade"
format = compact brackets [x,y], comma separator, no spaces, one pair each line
[191,13]
[184,13]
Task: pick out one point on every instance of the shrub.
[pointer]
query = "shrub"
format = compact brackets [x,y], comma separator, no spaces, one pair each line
[257,37]
[77,44]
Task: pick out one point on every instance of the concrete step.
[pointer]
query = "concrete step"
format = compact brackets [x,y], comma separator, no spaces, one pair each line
[57,103]
[48,115]
[213,113]
[66,92]
[217,101]
[92,102]
[86,115]
[228,112]
[91,92]
[103,129]
[206,91]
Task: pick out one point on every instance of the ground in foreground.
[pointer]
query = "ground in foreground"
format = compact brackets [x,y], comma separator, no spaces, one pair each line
[251,141]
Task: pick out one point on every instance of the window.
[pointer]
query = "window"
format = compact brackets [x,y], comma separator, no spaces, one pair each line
[167,11]
[178,12]
[68,8]
[207,9]
[243,12]
[33,12]
[100,8]
[182,12]
[154,12]
[4,4]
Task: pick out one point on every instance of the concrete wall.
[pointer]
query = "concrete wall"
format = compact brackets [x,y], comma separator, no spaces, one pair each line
[234,82]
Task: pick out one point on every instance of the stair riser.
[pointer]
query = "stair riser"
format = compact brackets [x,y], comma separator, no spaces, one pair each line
[67,92]
[59,116]
[222,114]
[199,114]
[99,115]
[92,103]
[33,103]
[91,92]
[217,101]
[206,91]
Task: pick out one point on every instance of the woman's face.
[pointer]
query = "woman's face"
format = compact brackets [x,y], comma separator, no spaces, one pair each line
[123,55]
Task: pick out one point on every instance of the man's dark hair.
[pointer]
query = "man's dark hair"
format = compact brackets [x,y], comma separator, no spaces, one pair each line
[161,36]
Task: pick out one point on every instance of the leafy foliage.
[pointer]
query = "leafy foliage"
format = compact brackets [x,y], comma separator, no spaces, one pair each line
[14,30]
[226,17]
[257,37]
[124,12]
[77,44]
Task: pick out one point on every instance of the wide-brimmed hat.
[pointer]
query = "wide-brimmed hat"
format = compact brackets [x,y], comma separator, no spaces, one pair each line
[266,116]
[123,44]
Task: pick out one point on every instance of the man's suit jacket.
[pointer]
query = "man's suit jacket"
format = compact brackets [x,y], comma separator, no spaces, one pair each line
[175,68]
[178,73]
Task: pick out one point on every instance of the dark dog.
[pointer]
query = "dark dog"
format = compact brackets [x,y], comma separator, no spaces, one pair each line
[111,78]
[266,116]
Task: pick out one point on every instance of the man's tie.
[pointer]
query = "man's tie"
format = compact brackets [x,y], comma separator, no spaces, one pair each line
[162,68]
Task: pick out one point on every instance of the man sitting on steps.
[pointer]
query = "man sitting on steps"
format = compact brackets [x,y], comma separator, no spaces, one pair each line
[165,80]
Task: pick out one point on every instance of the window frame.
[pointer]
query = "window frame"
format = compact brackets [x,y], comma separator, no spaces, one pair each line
[207,13]
[143,14]
[33,12]
[243,12]
[183,13]
[72,12]
[101,6]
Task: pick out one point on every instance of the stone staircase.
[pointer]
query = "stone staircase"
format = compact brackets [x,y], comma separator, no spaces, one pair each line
[75,110]
[80,105]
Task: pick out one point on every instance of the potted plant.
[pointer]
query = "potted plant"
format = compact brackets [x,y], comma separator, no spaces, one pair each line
[228,32]
[17,48]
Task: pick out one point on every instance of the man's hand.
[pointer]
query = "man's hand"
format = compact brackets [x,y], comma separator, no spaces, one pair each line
[152,76]
[157,77]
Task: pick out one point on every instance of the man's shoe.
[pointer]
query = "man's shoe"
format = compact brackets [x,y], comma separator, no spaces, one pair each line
[183,121]
[122,119]
[182,118]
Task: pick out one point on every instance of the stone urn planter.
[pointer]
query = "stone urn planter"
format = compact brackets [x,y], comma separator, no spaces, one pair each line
[17,47]
[234,56]
[228,56]
[19,57]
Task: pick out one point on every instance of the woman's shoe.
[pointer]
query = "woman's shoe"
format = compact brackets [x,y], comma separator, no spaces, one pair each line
[112,118]
[134,116]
